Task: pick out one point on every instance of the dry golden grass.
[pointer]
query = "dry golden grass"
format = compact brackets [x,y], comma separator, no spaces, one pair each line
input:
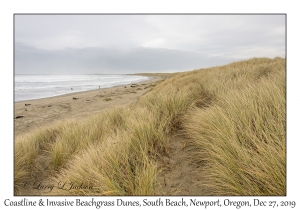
[241,137]
[234,116]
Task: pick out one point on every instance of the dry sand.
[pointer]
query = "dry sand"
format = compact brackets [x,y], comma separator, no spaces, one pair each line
[45,111]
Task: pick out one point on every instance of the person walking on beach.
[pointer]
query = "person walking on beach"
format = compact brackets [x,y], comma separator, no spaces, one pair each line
[99,87]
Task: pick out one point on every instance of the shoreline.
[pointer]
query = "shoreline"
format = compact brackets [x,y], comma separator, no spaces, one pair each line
[34,113]
[65,94]
[150,77]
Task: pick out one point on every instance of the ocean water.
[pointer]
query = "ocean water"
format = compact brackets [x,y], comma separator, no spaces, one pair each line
[29,87]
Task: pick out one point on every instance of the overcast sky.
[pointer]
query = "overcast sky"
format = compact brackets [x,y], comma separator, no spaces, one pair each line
[105,44]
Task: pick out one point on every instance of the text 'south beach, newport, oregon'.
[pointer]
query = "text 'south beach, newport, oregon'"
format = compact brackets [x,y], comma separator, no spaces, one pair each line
[150,105]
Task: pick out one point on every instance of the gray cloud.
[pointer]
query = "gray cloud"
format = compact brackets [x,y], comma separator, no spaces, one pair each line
[81,44]
[109,60]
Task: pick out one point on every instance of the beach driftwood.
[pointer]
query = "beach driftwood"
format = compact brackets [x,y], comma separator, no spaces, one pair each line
[27,104]
[19,116]
[133,85]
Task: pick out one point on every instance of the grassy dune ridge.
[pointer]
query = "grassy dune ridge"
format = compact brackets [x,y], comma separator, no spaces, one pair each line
[233,117]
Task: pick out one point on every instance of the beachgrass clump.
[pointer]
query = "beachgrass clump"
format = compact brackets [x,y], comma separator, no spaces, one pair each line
[28,153]
[44,151]
[76,136]
[115,167]
[241,138]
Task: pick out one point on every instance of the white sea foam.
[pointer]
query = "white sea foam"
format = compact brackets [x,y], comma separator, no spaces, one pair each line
[29,87]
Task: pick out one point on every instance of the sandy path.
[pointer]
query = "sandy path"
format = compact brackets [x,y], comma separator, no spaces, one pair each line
[45,111]
[179,174]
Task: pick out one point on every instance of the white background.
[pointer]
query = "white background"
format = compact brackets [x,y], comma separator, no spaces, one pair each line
[8,8]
